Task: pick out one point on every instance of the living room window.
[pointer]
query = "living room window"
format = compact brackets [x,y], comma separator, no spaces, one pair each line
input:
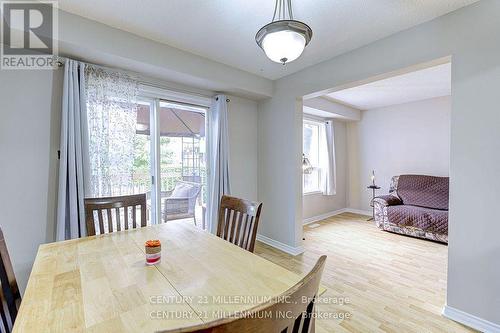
[311,148]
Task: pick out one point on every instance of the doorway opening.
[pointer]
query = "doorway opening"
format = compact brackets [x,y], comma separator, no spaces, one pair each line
[391,132]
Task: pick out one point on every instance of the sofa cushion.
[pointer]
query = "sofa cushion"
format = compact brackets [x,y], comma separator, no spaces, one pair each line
[426,219]
[424,191]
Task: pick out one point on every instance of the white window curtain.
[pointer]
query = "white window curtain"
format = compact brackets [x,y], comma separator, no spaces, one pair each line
[97,141]
[73,163]
[112,117]
[328,166]
[218,145]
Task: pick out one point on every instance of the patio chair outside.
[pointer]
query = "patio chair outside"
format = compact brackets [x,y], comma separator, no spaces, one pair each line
[181,201]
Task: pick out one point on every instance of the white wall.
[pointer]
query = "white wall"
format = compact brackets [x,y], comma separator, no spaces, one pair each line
[280,169]
[470,36]
[243,159]
[412,138]
[319,204]
[29,139]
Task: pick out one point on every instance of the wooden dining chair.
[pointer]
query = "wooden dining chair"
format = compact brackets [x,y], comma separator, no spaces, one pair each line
[94,208]
[291,312]
[238,221]
[10,296]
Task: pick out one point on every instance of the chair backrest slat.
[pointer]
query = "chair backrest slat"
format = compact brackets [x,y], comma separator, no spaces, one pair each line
[10,297]
[109,204]
[118,222]
[251,233]
[125,209]
[238,228]
[101,221]
[244,231]
[134,217]
[290,312]
[110,225]
[227,218]
[143,216]
[238,221]
[232,235]
[248,231]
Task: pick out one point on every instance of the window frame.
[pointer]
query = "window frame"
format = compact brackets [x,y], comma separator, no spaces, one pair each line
[318,124]
[155,96]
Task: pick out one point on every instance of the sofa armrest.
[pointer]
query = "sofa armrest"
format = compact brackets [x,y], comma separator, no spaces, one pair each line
[380,205]
[387,200]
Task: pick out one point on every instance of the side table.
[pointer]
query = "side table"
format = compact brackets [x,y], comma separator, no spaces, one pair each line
[373,188]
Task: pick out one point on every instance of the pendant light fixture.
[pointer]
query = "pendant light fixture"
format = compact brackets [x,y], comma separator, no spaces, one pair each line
[284,39]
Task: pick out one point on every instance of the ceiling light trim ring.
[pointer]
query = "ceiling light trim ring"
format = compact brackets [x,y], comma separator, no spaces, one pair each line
[282,25]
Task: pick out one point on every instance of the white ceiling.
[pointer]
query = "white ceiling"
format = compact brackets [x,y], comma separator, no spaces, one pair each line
[224,30]
[419,85]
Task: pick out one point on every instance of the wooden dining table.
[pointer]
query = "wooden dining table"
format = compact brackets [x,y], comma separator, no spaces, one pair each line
[102,284]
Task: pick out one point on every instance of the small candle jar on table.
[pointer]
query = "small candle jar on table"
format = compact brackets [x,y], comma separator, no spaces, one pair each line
[153,252]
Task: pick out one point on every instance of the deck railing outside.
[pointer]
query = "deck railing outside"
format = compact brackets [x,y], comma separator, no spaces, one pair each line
[141,183]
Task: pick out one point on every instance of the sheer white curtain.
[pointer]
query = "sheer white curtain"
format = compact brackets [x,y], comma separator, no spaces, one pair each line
[73,163]
[328,166]
[97,141]
[112,117]
[218,145]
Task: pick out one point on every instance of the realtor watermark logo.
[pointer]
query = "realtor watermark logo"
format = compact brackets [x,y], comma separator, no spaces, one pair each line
[29,34]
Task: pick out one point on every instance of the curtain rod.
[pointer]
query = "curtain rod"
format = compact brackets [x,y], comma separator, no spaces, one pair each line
[137,76]
[61,60]
[227,99]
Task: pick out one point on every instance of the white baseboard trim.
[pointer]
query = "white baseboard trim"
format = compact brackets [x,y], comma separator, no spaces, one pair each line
[470,320]
[321,217]
[294,251]
[359,211]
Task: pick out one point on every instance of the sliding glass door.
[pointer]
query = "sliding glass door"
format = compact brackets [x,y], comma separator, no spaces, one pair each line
[155,147]
[182,162]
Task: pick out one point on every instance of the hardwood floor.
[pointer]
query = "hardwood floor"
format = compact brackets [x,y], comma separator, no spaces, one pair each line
[377,281]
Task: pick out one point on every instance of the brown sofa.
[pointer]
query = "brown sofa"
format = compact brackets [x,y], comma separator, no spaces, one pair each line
[417,206]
